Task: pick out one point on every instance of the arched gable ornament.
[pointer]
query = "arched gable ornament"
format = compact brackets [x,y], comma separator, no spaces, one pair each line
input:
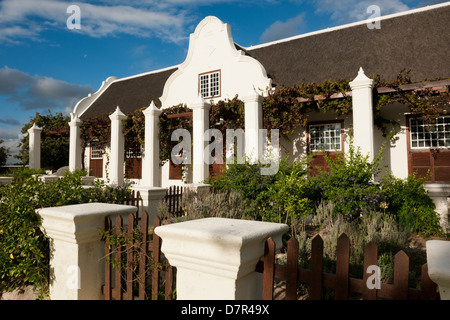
[211,48]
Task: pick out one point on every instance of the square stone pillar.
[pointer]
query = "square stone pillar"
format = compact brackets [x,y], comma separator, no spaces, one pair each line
[34,141]
[362,102]
[77,251]
[151,199]
[438,260]
[200,119]
[151,171]
[75,143]
[117,148]
[216,257]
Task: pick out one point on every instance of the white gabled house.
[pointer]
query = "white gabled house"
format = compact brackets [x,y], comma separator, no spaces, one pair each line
[216,68]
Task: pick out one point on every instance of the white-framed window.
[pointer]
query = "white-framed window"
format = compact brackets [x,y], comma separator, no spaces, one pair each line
[96,150]
[325,137]
[209,84]
[424,135]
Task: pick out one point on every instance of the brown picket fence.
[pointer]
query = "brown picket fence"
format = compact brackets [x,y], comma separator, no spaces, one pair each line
[135,268]
[341,282]
[173,200]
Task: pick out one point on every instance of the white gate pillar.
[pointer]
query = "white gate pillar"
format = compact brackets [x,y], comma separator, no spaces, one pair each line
[200,119]
[117,148]
[253,124]
[75,143]
[34,140]
[78,251]
[362,102]
[216,257]
[151,171]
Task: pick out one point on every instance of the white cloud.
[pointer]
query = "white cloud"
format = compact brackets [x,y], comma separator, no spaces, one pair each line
[18,19]
[39,92]
[279,29]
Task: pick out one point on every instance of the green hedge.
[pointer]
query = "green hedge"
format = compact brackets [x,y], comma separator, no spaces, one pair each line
[24,250]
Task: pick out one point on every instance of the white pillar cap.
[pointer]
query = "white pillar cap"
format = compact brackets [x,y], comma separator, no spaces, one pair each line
[152,109]
[229,248]
[118,115]
[361,81]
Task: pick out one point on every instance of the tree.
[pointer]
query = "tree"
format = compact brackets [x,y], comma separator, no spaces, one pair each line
[4,153]
[55,140]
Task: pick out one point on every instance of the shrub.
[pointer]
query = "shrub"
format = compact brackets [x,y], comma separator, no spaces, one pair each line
[24,253]
[408,200]
[378,227]
[221,204]
[350,184]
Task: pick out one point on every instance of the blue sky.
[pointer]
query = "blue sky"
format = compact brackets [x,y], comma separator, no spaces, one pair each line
[44,65]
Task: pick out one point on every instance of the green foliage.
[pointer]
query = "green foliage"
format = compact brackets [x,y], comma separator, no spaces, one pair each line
[409,201]
[168,125]
[219,204]
[375,226]
[54,140]
[25,251]
[4,153]
[350,183]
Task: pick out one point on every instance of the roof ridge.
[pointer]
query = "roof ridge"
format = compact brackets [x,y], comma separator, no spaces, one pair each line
[348,25]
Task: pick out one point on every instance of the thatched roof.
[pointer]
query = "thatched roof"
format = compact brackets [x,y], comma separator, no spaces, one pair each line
[418,40]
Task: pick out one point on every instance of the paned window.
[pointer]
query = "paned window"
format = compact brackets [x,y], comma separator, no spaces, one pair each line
[209,84]
[425,135]
[325,137]
[96,150]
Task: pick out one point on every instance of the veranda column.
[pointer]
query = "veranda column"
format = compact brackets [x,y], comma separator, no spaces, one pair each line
[117,148]
[151,172]
[362,101]
[75,143]
[34,140]
[200,124]
[253,124]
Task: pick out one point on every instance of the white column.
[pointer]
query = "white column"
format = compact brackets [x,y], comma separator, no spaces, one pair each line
[200,124]
[151,171]
[75,143]
[117,148]
[216,258]
[253,124]
[34,138]
[77,259]
[362,102]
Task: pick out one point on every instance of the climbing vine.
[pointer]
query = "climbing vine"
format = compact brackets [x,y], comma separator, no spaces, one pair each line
[285,108]
[168,124]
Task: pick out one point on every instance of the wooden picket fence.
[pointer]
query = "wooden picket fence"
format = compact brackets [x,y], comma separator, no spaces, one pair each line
[134,199]
[341,282]
[173,200]
[136,269]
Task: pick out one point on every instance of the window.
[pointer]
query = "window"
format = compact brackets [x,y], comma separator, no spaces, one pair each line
[430,136]
[325,137]
[96,150]
[209,84]
[429,148]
